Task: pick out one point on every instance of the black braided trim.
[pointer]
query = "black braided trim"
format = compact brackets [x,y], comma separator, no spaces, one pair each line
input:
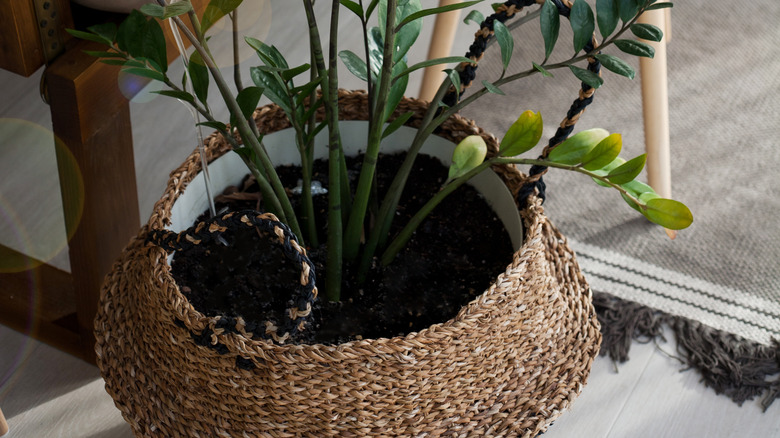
[212,229]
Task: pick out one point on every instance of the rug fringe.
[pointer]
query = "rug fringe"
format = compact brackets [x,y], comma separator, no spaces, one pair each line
[733,366]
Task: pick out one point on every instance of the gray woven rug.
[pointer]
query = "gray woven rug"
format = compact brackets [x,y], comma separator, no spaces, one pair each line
[718,283]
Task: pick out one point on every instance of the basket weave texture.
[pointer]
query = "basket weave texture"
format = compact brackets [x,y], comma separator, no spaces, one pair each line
[507,365]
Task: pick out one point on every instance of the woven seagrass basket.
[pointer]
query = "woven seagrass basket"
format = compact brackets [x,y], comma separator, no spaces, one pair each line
[507,365]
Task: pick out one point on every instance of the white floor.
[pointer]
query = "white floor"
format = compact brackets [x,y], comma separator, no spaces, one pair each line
[46,393]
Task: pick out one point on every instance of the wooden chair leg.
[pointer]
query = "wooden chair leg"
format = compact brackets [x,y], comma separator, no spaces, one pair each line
[441,45]
[655,106]
[3,424]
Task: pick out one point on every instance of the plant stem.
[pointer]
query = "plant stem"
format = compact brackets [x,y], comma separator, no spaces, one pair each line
[357,217]
[247,133]
[236,59]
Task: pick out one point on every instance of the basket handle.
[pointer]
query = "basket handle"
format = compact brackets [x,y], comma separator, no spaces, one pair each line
[467,72]
[212,229]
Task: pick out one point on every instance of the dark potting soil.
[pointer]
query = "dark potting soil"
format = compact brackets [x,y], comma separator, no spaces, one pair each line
[455,254]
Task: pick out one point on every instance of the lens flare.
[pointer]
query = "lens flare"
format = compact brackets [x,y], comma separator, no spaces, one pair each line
[137,89]
[31,206]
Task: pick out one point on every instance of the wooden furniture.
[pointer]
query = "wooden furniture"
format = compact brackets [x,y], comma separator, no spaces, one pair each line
[3,424]
[91,116]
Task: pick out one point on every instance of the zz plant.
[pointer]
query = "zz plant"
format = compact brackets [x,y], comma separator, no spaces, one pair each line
[302,88]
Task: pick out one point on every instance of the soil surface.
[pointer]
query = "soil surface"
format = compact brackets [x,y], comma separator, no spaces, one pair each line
[456,253]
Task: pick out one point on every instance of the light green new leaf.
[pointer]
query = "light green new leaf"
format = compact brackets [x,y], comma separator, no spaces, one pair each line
[176,9]
[627,171]
[505,41]
[606,169]
[153,10]
[582,23]
[636,48]
[474,16]
[215,11]
[616,65]
[523,135]
[637,188]
[354,7]
[607,16]
[669,213]
[587,76]
[647,32]
[492,88]
[604,152]
[541,70]
[468,154]
[550,24]
[573,149]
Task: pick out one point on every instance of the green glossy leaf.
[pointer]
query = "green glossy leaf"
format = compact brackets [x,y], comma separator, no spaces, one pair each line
[270,55]
[215,11]
[437,10]
[669,213]
[468,154]
[99,54]
[631,203]
[573,149]
[371,7]
[607,16]
[550,24]
[88,36]
[454,78]
[107,31]
[523,135]
[154,46]
[541,70]
[616,65]
[628,9]
[112,61]
[145,72]
[627,171]
[604,152]
[432,62]
[354,7]
[129,36]
[636,188]
[247,100]
[492,88]
[375,56]
[636,48]
[397,123]
[397,90]
[322,125]
[606,169]
[587,76]
[409,30]
[219,126]
[474,16]
[647,32]
[199,77]
[181,95]
[290,73]
[582,23]
[153,10]
[273,86]
[505,42]
[305,90]
[659,6]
